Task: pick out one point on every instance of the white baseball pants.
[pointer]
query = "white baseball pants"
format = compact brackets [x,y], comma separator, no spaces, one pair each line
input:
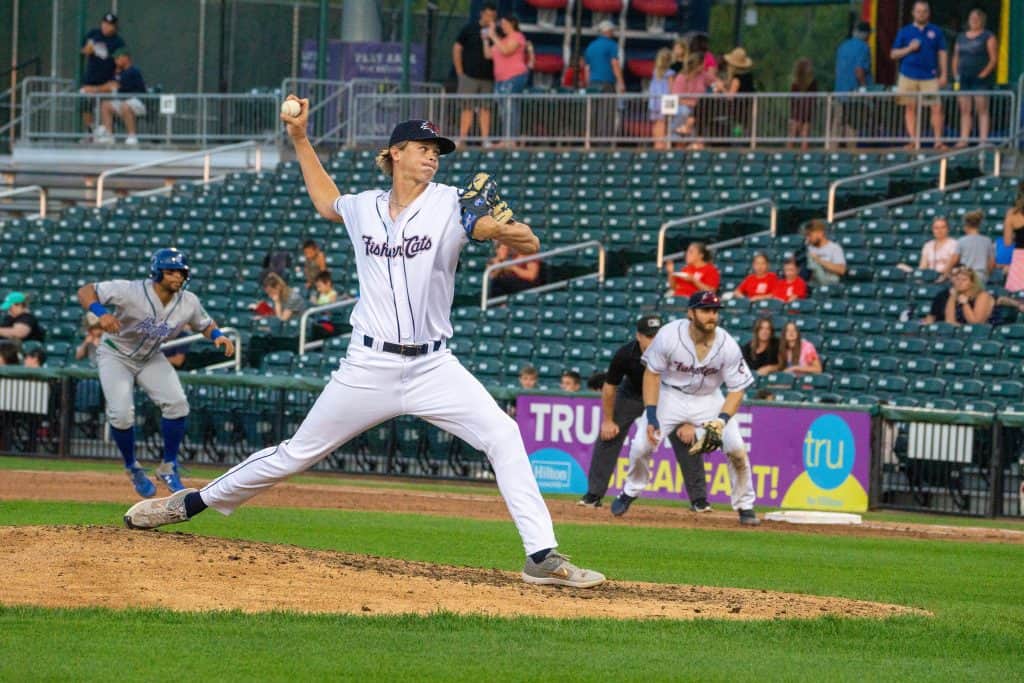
[371,387]
[676,408]
[641,463]
[156,376]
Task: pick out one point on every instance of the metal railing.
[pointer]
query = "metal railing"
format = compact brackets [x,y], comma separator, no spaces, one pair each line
[308,313]
[28,86]
[332,110]
[744,119]
[941,159]
[539,256]
[773,217]
[29,189]
[206,155]
[229,332]
[170,118]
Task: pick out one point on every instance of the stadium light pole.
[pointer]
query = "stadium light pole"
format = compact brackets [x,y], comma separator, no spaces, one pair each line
[737,24]
[406,40]
[321,43]
[81,35]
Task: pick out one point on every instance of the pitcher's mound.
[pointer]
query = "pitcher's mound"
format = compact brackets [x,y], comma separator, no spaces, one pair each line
[74,566]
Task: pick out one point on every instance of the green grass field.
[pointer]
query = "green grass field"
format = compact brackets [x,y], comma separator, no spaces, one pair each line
[973,589]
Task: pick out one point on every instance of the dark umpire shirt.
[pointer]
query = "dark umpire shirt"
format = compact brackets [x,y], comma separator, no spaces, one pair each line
[626,371]
[99,71]
[473,62]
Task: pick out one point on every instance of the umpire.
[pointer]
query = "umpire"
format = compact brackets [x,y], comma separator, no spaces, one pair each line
[621,403]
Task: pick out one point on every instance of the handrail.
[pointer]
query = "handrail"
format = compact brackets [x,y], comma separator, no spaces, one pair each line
[601,259]
[229,332]
[204,153]
[942,158]
[746,206]
[20,67]
[317,343]
[25,190]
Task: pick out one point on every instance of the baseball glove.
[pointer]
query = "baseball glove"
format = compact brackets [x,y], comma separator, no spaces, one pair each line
[711,440]
[480,198]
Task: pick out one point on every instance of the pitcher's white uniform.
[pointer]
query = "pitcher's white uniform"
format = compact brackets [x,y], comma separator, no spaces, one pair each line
[406,271]
[691,393]
[133,354]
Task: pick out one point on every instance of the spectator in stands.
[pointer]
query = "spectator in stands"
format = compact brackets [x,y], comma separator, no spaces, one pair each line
[968,303]
[34,358]
[505,46]
[515,278]
[571,381]
[1013,235]
[324,289]
[286,301]
[604,68]
[528,376]
[739,80]
[761,282]
[942,253]
[853,74]
[698,273]
[693,81]
[596,381]
[826,261]
[128,82]
[801,109]
[920,48]
[796,354]
[314,262]
[9,353]
[699,44]
[791,287]
[474,70]
[679,51]
[762,351]
[975,57]
[18,324]
[93,335]
[99,46]
[660,85]
[577,69]
[977,251]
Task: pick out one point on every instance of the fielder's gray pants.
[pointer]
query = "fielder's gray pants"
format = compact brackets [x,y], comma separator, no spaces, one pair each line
[606,453]
[156,376]
[692,467]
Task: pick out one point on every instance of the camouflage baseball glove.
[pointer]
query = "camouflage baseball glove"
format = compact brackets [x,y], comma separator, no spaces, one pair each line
[712,438]
[480,198]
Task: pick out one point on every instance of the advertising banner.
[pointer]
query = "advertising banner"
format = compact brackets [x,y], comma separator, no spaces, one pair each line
[802,458]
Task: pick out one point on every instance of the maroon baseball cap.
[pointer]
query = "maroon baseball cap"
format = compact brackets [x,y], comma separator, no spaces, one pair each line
[421,129]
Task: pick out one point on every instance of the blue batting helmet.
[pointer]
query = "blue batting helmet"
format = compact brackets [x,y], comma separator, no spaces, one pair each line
[168,259]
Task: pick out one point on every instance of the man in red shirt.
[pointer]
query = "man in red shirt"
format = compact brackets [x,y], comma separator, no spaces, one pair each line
[791,287]
[698,275]
[761,282]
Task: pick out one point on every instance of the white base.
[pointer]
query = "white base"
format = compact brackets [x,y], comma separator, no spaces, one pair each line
[813,517]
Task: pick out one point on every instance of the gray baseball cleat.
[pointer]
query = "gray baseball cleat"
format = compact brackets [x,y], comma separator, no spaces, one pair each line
[556,570]
[149,514]
[749,518]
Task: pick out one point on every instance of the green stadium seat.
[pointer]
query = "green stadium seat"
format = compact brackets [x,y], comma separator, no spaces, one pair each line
[777,380]
[817,382]
[883,365]
[492,329]
[911,346]
[928,386]
[852,383]
[965,388]
[840,344]
[890,385]
[1004,391]
[948,347]
[919,366]
[522,331]
[1009,332]
[996,369]
[960,367]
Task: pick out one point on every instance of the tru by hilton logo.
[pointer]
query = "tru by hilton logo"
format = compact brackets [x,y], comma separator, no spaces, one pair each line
[829,451]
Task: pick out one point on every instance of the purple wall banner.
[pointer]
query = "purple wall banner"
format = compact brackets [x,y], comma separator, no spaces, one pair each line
[381,61]
[810,459]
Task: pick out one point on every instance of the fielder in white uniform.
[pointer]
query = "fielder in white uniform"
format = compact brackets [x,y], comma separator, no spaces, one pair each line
[687,364]
[137,317]
[407,243]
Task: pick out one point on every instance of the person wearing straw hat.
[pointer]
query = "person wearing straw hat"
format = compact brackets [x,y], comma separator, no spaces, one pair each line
[739,79]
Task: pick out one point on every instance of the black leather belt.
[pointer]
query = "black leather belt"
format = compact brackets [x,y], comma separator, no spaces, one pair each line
[403,349]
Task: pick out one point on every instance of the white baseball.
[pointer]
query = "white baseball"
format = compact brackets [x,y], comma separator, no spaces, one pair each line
[291,108]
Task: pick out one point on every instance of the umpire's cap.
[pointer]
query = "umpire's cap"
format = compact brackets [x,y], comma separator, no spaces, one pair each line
[649,325]
[420,129]
[706,299]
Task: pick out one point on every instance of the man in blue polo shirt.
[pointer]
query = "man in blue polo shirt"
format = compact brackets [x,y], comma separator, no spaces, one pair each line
[604,71]
[920,48]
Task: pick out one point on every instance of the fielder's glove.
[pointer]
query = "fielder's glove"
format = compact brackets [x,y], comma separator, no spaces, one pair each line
[712,439]
[480,198]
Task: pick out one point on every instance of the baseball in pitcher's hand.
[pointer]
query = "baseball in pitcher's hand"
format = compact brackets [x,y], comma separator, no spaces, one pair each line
[296,125]
[609,430]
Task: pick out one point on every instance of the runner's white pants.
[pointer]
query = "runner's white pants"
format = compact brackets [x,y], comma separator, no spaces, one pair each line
[371,387]
[676,408]
[641,463]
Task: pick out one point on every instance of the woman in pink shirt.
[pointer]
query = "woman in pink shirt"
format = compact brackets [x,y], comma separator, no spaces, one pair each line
[797,355]
[506,46]
[694,80]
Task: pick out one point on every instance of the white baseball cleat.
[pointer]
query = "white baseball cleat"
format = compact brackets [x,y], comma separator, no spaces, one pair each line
[156,512]
[556,570]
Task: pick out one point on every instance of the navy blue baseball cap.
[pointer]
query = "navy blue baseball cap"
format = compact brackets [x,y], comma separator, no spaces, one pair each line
[706,299]
[649,325]
[420,129]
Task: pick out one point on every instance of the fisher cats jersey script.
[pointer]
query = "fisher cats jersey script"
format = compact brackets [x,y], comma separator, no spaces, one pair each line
[673,357]
[145,322]
[407,266]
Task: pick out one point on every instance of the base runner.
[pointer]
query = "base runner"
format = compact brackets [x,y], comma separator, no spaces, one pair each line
[687,364]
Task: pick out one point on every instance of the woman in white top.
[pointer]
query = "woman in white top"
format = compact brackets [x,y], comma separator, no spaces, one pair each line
[941,253]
